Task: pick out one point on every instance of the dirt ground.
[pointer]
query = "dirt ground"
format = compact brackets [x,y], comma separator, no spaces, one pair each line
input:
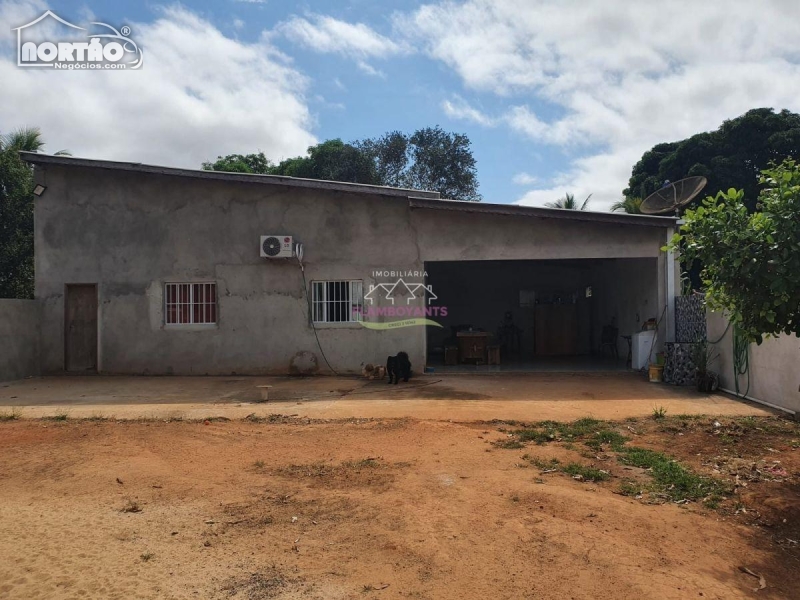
[388,508]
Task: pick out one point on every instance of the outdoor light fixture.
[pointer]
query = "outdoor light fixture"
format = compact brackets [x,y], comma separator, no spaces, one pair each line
[39,189]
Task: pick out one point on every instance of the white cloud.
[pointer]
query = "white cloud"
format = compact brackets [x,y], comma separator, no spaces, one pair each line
[16,14]
[524,179]
[199,94]
[328,35]
[459,109]
[367,68]
[622,75]
[238,24]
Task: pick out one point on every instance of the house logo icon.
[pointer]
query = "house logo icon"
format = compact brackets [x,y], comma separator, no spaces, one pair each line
[108,49]
[398,291]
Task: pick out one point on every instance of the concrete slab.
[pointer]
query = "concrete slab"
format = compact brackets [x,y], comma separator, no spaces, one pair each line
[519,396]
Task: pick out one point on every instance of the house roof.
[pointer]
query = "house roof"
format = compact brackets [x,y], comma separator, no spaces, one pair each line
[541,212]
[363,188]
[418,199]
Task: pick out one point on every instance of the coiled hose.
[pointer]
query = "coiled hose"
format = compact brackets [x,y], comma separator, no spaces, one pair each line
[741,358]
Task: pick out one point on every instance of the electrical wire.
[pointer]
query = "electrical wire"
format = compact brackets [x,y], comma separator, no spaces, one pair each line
[719,339]
[311,316]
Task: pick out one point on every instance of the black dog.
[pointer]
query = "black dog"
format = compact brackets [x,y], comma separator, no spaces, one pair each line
[398,366]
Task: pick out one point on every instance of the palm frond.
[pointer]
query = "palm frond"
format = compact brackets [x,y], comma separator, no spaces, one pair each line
[28,139]
[631,205]
[568,202]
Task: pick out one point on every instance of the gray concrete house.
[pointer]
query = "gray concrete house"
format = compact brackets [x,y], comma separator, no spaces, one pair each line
[144,269]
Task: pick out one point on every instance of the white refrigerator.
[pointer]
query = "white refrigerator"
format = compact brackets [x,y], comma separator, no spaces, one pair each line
[641,346]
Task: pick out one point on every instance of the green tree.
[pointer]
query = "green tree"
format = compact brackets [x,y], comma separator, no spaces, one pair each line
[429,159]
[568,202]
[750,261]
[333,160]
[731,156]
[241,163]
[16,213]
[630,204]
[390,155]
[443,162]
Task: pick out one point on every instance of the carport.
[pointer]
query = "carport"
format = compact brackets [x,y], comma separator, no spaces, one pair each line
[541,315]
[531,289]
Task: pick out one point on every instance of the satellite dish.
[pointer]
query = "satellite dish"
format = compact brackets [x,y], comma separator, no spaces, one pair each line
[673,195]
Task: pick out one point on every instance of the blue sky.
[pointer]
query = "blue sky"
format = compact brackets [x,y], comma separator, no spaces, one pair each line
[555,96]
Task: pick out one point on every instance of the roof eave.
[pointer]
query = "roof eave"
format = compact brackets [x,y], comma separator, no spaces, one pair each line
[542,212]
[339,186]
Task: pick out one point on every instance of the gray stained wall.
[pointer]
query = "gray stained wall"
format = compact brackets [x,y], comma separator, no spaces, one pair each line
[19,338]
[130,232]
[773,375]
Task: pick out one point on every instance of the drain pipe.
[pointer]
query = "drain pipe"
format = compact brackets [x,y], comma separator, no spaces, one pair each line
[670,268]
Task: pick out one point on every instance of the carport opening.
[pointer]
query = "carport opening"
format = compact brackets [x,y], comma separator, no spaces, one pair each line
[539,315]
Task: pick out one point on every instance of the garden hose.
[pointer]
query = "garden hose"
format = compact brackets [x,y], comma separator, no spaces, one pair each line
[724,333]
[741,360]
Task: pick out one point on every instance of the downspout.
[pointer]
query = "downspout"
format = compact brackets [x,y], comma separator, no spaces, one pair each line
[670,275]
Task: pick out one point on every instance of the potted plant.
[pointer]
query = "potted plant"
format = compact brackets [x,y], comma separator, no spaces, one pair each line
[703,355]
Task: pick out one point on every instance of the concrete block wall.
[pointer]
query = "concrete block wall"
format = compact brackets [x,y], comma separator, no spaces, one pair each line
[138,231]
[19,338]
[774,373]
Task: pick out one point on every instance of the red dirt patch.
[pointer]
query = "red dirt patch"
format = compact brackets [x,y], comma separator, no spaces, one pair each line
[439,512]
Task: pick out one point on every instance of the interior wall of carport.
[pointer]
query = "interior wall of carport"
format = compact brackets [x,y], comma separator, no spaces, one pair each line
[452,235]
[479,293]
[625,293]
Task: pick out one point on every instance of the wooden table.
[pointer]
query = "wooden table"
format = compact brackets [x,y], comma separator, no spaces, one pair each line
[472,346]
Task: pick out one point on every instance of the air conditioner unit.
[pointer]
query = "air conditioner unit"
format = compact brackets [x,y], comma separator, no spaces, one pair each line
[277,246]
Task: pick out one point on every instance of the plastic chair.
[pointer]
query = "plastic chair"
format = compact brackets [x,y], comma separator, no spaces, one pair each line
[608,339]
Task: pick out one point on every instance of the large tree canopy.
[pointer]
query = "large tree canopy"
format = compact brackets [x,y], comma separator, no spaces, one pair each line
[733,156]
[750,261]
[429,159]
[16,213]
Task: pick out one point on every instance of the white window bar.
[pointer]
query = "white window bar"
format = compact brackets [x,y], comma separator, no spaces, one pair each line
[190,303]
[336,301]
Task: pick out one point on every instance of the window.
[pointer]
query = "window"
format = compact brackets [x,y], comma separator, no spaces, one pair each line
[336,301]
[190,303]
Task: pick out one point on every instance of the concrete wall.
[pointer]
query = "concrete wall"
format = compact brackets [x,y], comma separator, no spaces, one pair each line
[627,293]
[19,338]
[774,373]
[451,235]
[132,232]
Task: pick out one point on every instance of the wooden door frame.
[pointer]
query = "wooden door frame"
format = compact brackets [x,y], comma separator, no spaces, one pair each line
[66,324]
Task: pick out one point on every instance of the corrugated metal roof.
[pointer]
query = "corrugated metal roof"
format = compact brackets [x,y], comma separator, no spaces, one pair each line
[358,188]
[542,213]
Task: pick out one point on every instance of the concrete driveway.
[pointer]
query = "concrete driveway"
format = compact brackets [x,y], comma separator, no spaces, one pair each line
[519,396]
